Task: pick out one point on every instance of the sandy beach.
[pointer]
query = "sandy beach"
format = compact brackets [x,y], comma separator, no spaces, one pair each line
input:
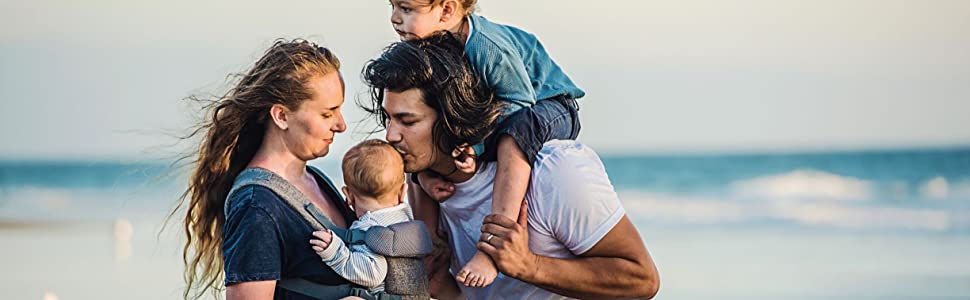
[78,261]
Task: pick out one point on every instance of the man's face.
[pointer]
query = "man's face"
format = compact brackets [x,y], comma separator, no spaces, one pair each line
[409,128]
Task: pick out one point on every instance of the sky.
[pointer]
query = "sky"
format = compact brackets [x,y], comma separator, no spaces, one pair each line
[105,79]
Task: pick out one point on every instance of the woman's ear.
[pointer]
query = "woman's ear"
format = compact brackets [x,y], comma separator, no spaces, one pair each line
[450,9]
[279,114]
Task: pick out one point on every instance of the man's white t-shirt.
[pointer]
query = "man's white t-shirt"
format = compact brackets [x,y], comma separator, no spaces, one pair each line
[572,205]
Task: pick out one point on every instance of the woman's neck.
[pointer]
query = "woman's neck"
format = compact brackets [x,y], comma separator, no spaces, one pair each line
[273,156]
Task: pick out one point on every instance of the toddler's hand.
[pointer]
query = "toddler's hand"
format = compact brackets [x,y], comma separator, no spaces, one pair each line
[465,159]
[438,188]
[321,240]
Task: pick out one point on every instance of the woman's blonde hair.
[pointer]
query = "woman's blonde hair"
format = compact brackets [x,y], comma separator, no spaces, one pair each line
[233,131]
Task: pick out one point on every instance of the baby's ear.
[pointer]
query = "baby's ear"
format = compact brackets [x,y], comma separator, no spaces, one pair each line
[348,195]
[404,191]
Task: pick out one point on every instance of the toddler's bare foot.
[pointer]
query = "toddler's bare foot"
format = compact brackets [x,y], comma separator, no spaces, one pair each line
[478,272]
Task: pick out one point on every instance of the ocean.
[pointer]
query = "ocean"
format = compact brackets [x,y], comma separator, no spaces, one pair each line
[887,224]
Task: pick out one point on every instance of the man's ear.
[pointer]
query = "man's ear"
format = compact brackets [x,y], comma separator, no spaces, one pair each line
[404,191]
[449,10]
[349,196]
[279,114]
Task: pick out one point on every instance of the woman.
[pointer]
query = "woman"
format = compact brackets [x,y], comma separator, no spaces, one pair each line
[282,113]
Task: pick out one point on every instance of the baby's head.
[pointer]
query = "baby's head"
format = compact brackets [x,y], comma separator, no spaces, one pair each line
[415,19]
[373,176]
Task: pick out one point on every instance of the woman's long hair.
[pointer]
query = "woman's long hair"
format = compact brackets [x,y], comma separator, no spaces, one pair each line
[233,131]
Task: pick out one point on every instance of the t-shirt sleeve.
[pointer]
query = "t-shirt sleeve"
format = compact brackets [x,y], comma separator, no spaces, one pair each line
[252,240]
[574,195]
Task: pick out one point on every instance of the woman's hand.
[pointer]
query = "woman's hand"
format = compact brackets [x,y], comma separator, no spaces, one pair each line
[321,240]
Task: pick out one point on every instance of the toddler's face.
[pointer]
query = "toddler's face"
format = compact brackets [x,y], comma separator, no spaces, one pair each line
[414,19]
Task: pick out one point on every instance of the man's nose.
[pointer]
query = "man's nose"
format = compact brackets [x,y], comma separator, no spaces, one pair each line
[392,136]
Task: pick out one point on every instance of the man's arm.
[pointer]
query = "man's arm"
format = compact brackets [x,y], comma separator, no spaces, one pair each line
[618,266]
[442,284]
[251,290]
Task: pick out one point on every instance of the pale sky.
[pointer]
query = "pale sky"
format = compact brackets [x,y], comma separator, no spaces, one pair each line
[104,79]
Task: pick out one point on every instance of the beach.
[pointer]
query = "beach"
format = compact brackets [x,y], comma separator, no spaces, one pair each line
[77,261]
[880,225]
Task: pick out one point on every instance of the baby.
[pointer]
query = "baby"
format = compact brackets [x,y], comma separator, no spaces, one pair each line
[375,188]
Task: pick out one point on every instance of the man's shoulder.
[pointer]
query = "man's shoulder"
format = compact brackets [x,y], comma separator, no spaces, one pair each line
[566,169]
[559,156]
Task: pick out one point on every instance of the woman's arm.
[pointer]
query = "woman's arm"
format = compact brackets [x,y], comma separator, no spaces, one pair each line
[251,290]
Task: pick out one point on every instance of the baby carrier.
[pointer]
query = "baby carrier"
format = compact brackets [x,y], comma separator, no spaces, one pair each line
[404,244]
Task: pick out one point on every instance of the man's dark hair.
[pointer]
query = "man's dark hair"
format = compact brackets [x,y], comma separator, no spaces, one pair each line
[467,109]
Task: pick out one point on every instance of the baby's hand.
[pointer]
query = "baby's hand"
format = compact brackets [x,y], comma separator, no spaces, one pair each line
[465,159]
[438,188]
[321,240]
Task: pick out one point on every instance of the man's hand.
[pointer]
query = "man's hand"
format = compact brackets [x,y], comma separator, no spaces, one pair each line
[436,187]
[507,242]
[321,240]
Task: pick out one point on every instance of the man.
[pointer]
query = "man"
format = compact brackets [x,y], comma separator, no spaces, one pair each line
[572,237]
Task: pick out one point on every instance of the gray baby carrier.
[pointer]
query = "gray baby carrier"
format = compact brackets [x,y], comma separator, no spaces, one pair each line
[403,244]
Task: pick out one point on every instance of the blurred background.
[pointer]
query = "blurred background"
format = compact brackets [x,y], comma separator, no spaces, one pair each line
[764,149]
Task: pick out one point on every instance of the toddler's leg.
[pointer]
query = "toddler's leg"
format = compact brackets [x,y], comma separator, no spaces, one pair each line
[511,182]
[511,179]
[520,138]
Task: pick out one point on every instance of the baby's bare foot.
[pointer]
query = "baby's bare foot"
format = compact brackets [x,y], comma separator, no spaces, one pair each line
[480,271]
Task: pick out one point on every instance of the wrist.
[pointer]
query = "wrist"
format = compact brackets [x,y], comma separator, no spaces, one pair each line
[330,251]
[532,271]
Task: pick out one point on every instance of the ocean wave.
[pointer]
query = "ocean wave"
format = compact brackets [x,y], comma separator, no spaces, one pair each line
[804,184]
[671,209]
[30,203]
[941,188]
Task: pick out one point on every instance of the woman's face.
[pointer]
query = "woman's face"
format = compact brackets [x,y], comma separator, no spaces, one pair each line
[312,126]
